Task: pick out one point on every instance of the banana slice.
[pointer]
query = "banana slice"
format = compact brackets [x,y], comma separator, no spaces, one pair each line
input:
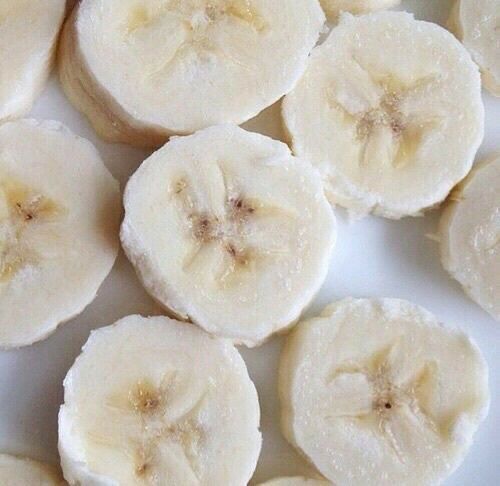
[476,23]
[470,235]
[333,8]
[376,392]
[17,471]
[156,401]
[143,70]
[226,228]
[28,36]
[59,217]
[390,112]
[295,481]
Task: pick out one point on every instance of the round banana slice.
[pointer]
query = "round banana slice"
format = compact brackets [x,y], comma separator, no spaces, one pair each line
[376,392]
[390,112]
[17,471]
[470,235]
[28,36]
[333,8]
[476,23]
[156,401]
[295,481]
[59,217]
[143,70]
[226,228]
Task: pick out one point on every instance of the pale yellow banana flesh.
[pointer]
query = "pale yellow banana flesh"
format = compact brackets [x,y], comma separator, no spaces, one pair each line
[59,218]
[377,392]
[28,35]
[470,235]
[228,229]
[157,401]
[19,471]
[377,113]
[333,8]
[476,23]
[143,70]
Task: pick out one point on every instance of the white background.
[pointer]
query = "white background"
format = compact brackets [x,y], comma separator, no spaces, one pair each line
[373,257]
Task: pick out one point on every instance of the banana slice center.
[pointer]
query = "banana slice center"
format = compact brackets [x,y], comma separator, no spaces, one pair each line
[21,209]
[386,130]
[196,18]
[229,230]
[387,401]
[195,13]
[151,404]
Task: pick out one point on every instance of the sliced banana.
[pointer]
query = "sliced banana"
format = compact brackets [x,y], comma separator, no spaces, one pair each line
[142,70]
[333,8]
[389,111]
[155,401]
[477,24]
[59,217]
[28,36]
[17,471]
[295,481]
[470,235]
[226,228]
[376,392]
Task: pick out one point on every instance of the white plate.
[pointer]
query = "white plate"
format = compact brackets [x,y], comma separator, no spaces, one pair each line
[373,257]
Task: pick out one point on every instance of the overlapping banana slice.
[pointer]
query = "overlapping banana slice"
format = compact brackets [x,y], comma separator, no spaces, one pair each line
[28,36]
[470,235]
[476,23]
[226,228]
[156,401]
[142,70]
[333,8]
[295,481]
[17,471]
[376,392]
[390,111]
[59,218]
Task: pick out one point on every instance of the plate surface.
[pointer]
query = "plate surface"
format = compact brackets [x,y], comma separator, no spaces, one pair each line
[373,257]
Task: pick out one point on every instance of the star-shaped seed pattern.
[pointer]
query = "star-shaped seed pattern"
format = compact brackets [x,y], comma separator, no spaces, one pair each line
[388,399]
[229,231]
[20,207]
[150,404]
[196,17]
[388,135]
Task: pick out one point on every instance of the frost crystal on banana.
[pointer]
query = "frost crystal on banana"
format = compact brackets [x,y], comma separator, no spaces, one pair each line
[143,70]
[477,24]
[28,36]
[18,471]
[377,392]
[159,402]
[470,235]
[295,481]
[390,111]
[59,216]
[333,8]
[226,228]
